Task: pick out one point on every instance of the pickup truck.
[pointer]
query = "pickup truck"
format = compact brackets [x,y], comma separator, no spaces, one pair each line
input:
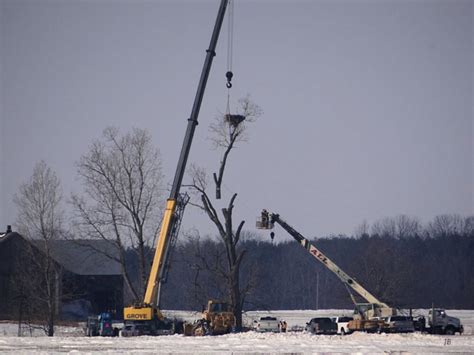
[342,324]
[398,324]
[266,324]
[321,325]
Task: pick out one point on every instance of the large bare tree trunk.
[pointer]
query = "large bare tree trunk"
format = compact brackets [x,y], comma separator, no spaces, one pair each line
[227,131]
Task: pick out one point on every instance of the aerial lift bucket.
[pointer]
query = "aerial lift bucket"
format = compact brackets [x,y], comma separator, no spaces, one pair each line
[264,221]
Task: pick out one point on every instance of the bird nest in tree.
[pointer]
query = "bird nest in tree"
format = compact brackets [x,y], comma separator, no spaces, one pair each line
[234,120]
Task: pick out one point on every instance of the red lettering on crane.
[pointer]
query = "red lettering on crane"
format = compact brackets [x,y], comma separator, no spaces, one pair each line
[318,254]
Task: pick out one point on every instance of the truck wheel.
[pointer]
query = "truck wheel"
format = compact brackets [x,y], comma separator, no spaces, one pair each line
[343,332]
[449,331]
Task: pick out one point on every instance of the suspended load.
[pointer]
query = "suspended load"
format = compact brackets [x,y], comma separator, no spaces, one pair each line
[234,120]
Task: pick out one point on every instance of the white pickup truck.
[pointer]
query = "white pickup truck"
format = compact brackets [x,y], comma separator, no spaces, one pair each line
[342,323]
[266,324]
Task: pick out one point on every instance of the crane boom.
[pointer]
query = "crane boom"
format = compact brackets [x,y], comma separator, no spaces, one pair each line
[267,222]
[147,310]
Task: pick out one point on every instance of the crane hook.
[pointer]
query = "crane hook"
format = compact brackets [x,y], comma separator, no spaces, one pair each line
[229,76]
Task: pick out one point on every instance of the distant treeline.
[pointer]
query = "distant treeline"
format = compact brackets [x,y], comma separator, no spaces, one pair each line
[406,267]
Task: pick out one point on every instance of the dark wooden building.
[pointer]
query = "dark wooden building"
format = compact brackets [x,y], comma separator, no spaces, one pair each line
[86,280]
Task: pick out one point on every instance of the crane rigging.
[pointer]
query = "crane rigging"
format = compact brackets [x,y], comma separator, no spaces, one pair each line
[230,48]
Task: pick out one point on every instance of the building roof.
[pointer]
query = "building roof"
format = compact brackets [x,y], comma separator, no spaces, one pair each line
[82,257]
[86,256]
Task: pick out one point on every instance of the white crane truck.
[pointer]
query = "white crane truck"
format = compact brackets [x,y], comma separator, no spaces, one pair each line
[367,316]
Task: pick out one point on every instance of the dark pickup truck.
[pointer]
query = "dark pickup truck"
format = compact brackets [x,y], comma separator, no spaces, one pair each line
[322,325]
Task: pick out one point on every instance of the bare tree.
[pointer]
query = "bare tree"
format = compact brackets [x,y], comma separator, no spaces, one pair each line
[226,132]
[362,229]
[401,226]
[40,218]
[385,227]
[446,224]
[208,261]
[407,226]
[122,179]
[468,228]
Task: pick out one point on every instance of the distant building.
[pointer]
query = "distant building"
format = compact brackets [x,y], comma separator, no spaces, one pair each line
[87,281]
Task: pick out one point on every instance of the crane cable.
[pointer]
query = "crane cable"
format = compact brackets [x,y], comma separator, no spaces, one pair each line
[230,43]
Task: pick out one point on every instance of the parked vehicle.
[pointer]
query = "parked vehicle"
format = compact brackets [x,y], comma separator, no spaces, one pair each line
[132,330]
[92,326]
[266,324]
[100,325]
[342,324]
[439,323]
[398,324]
[321,325]
[217,319]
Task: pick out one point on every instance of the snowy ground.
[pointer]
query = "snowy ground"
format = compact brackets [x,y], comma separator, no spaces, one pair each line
[70,340]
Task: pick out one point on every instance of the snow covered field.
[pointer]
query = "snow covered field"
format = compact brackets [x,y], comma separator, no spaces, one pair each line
[70,340]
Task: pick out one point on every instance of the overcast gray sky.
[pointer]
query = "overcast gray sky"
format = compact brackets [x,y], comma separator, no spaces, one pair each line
[368,105]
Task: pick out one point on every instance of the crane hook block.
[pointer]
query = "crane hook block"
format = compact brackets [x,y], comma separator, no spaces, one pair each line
[229,76]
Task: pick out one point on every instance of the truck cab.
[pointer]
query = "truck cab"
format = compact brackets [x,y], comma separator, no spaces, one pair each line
[440,323]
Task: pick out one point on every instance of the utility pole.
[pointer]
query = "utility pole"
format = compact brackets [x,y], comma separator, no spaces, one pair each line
[317,290]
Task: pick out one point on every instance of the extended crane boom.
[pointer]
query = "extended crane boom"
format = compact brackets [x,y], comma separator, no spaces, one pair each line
[148,309]
[268,220]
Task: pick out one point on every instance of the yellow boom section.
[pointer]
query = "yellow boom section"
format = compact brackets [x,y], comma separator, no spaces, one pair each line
[158,259]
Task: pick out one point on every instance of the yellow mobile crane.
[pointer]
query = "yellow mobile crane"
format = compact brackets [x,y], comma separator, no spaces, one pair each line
[367,315]
[145,315]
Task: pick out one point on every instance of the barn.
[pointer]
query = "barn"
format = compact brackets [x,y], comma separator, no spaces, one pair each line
[87,280]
